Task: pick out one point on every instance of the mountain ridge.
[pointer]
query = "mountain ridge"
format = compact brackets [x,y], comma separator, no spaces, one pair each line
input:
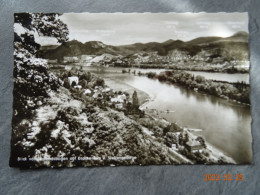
[211,44]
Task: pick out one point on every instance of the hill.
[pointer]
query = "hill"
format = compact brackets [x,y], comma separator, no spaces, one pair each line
[235,47]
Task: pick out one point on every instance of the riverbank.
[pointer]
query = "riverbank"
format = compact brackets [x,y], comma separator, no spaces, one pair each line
[189,66]
[215,153]
[238,91]
[117,85]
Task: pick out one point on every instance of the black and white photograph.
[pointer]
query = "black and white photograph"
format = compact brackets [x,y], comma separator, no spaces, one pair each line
[120,89]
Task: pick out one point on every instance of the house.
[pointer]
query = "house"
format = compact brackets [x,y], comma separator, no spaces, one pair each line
[87,92]
[86,58]
[52,61]
[97,95]
[119,106]
[109,103]
[73,78]
[98,88]
[174,147]
[78,87]
[107,89]
[194,145]
[68,59]
[119,98]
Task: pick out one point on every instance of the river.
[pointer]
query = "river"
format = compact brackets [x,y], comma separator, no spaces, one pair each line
[224,124]
[223,76]
[234,77]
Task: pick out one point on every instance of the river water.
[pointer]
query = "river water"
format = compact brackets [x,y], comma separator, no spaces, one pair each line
[208,75]
[224,124]
[223,76]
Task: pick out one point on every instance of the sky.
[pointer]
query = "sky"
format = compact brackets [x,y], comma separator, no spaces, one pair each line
[129,28]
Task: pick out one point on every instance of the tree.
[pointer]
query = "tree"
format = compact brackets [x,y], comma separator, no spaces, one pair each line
[186,137]
[181,141]
[32,80]
[83,83]
[44,24]
[27,61]
[168,73]
[151,75]
[200,79]
[73,84]
[162,78]
[100,82]
[201,140]
[86,76]
[66,83]
[74,70]
[49,24]
[135,99]
[64,76]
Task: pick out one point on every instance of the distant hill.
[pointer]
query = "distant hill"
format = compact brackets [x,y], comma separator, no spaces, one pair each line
[48,47]
[233,45]
[240,36]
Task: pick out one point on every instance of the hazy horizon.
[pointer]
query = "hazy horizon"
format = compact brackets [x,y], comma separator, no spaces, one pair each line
[129,28]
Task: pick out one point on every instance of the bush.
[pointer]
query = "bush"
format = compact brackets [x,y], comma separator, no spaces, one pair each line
[200,79]
[64,75]
[162,78]
[151,75]
[86,77]
[66,83]
[100,82]
[73,84]
[83,83]
[168,73]
[74,70]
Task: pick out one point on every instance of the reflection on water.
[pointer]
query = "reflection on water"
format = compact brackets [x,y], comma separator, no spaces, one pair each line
[222,76]
[226,125]
[208,75]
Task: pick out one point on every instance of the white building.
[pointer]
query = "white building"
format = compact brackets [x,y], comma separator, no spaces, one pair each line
[119,106]
[78,87]
[119,98]
[87,91]
[86,58]
[70,59]
[52,61]
[107,89]
[71,79]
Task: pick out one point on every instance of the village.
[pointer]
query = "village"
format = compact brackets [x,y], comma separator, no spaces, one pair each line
[174,60]
[100,93]
[93,89]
